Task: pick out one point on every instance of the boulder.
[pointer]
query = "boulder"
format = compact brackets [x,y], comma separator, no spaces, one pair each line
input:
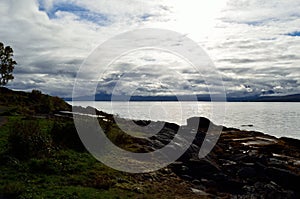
[246,172]
[284,177]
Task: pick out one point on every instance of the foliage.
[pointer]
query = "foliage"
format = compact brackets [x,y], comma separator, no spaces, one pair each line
[64,134]
[27,139]
[32,103]
[7,64]
[13,190]
[42,156]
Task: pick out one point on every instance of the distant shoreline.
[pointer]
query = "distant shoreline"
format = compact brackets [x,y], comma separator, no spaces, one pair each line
[70,100]
[269,120]
[204,98]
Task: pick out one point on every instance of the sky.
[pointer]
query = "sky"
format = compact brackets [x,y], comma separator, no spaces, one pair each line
[254,44]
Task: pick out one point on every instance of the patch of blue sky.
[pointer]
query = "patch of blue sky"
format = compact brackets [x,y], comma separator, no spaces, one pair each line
[254,23]
[82,13]
[294,34]
[146,17]
[257,22]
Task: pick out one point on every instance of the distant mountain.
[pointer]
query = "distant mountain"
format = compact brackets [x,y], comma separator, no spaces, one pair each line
[255,98]
[287,98]
[107,97]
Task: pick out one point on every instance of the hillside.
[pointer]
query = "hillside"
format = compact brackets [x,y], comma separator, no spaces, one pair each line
[31,103]
[287,98]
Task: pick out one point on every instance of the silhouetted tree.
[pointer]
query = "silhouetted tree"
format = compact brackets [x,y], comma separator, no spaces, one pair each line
[7,64]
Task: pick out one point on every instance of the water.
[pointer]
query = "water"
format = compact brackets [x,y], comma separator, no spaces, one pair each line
[277,119]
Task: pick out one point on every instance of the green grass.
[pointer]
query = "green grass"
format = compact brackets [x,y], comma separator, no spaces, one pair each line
[41,156]
[63,173]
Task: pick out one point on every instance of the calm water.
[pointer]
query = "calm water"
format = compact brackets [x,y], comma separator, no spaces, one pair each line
[278,119]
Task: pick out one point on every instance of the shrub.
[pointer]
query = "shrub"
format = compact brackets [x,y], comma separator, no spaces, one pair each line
[45,166]
[13,190]
[64,135]
[26,139]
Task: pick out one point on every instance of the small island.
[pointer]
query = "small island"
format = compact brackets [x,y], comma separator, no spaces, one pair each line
[42,156]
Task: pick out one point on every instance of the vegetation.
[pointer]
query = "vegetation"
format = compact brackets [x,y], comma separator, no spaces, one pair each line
[7,64]
[28,104]
[42,156]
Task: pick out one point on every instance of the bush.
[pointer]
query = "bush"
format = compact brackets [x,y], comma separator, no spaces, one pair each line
[44,166]
[13,190]
[26,139]
[64,135]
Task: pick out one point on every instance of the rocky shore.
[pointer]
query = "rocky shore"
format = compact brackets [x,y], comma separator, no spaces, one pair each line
[42,156]
[246,165]
[243,164]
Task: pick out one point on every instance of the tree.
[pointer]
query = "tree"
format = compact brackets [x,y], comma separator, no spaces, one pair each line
[7,64]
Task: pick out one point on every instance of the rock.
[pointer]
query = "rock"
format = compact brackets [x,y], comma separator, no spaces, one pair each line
[155,144]
[235,169]
[121,180]
[196,182]
[246,172]
[192,152]
[239,157]
[187,177]
[275,161]
[199,192]
[231,186]
[291,142]
[247,125]
[220,177]
[266,190]
[283,177]
[201,121]
[172,126]
[138,190]
[228,162]
[142,123]
[201,168]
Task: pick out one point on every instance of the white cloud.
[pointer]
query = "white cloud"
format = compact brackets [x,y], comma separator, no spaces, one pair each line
[248,40]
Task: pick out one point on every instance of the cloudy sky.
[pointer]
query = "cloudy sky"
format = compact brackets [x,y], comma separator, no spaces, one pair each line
[254,44]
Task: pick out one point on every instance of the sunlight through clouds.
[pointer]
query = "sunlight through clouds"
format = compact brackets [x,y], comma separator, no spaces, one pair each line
[246,39]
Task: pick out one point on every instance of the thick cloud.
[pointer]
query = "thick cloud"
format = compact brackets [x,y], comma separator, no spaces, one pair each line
[254,44]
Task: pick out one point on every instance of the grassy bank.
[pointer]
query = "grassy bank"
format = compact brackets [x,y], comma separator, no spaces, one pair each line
[42,157]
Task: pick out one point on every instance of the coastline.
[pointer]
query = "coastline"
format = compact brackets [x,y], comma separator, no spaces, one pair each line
[276,119]
[242,164]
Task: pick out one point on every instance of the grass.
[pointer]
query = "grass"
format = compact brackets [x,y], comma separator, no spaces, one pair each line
[42,156]
[65,172]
